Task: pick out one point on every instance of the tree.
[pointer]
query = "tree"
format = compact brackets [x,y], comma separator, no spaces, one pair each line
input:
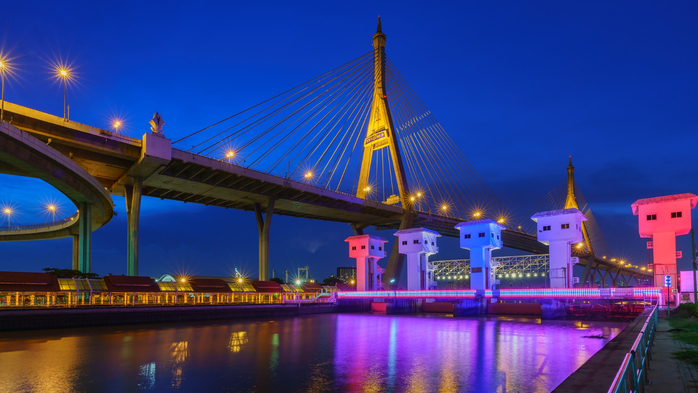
[277,279]
[332,281]
[69,273]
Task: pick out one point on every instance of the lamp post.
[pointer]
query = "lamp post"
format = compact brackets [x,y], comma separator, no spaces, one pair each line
[64,74]
[8,213]
[3,66]
[52,209]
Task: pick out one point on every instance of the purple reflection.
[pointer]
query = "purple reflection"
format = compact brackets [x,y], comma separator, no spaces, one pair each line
[415,353]
[314,353]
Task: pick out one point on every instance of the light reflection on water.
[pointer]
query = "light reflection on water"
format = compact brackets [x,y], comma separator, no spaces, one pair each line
[316,353]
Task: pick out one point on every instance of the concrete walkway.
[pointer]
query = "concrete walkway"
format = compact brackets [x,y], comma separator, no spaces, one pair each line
[666,375]
[669,375]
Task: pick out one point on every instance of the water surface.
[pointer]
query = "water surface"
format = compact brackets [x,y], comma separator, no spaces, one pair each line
[315,353]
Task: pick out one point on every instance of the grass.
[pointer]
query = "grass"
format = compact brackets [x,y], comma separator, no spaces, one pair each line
[684,323]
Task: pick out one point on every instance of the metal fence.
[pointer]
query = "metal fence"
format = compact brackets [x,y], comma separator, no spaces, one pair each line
[632,375]
[40,226]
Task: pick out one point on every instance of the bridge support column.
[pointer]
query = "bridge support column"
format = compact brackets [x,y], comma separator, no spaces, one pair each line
[603,279]
[585,275]
[264,226]
[76,252]
[133,212]
[85,238]
[394,269]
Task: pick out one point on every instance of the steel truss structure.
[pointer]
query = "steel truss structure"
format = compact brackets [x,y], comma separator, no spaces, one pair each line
[511,266]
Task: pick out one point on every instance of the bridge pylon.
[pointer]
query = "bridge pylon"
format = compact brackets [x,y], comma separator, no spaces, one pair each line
[380,133]
[571,202]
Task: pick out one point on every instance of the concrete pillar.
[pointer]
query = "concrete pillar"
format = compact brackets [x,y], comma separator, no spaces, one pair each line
[263,227]
[133,212]
[85,238]
[587,269]
[394,269]
[76,252]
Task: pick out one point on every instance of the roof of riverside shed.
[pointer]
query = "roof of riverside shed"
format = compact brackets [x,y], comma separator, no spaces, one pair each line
[666,198]
[561,212]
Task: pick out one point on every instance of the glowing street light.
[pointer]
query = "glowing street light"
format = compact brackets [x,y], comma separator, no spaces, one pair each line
[351,282]
[240,280]
[64,74]
[501,220]
[184,280]
[298,282]
[8,212]
[308,175]
[444,207]
[116,125]
[52,209]
[477,214]
[229,155]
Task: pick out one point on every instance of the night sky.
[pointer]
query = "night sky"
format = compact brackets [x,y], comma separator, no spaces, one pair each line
[519,86]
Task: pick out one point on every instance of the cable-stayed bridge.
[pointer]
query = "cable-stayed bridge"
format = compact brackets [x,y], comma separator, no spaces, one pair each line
[354,145]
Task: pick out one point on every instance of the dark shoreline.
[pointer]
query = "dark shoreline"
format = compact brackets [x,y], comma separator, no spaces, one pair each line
[35,319]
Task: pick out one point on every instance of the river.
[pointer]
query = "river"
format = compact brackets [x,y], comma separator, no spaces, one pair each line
[315,353]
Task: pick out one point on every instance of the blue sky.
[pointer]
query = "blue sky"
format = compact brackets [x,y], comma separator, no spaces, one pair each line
[518,86]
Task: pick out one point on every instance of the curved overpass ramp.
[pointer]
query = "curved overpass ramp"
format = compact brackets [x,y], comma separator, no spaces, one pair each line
[23,155]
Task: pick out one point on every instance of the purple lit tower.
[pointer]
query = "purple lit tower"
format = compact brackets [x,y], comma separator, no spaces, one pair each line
[481,237]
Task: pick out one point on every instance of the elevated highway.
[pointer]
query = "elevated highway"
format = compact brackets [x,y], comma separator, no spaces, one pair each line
[24,155]
[134,168]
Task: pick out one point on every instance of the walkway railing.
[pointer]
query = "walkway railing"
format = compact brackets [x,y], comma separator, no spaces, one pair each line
[40,226]
[632,375]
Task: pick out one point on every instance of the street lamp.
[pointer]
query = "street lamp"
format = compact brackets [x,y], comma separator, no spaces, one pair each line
[3,68]
[117,124]
[52,209]
[8,212]
[64,74]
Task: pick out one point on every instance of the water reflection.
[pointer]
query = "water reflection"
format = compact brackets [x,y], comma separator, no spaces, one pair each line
[237,340]
[179,351]
[342,352]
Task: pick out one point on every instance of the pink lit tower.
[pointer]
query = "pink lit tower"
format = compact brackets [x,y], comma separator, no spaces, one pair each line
[662,219]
